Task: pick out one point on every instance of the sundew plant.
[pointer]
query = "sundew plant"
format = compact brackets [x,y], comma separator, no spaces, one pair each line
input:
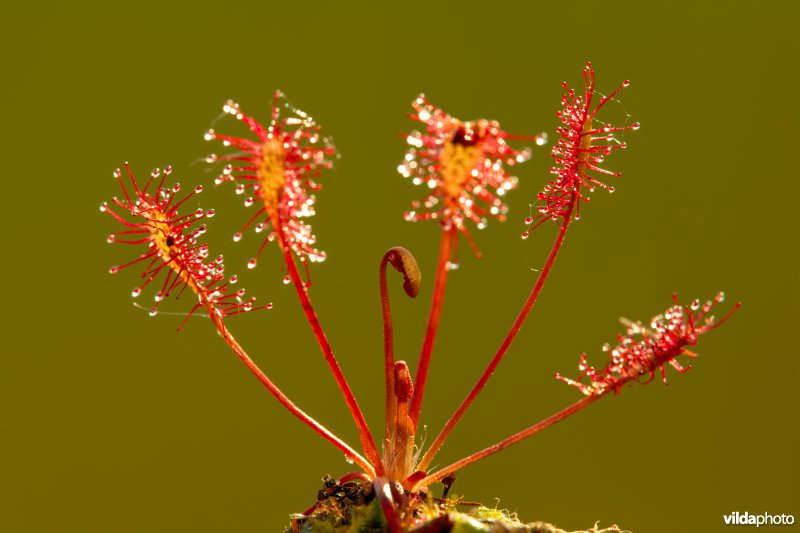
[464,169]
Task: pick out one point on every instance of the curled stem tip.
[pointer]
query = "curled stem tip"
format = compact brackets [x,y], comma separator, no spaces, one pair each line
[402,261]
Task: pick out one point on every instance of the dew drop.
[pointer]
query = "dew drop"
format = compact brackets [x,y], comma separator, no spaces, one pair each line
[158,297]
[136,292]
[111,238]
[117,173]
[252,263]
[104,207]
[452,265]
[209,135]
[719,298]
[287,280]
[153,311]
[237,236]
[635,126]
[210,213]
[626,83]
[247,307]
[414,140]
[198,189]
[113,270]
[525,234]
[268,306]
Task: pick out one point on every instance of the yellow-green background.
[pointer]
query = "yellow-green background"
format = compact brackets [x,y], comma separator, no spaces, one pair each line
[112,422]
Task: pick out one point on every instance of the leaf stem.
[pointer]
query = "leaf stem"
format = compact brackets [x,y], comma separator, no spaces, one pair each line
[513,439]
[421,378]
[217,320]
[403,261]
[367,441]
[506,344]
[386,499]
[388,358]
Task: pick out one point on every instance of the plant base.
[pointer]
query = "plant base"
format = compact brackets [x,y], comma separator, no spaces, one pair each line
[352,508]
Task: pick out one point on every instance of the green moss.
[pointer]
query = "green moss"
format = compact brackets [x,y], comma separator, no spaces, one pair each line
[366,518]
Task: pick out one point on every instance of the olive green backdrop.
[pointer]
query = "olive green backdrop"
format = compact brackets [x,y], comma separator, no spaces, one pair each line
[112,422]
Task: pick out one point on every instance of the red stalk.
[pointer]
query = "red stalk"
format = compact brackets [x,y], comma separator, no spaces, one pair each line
[217,320]
[385,496]
[513,439]
[367,441]
[388,356]
[421,377]
[398,424]
[523,314]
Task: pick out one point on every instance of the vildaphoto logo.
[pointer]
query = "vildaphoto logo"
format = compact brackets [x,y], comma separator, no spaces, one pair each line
[746,519]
